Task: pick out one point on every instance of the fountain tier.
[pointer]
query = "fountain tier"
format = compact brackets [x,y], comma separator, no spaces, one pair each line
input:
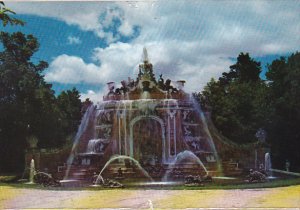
[148,120]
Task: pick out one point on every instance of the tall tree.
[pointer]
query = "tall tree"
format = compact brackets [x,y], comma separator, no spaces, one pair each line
[28,104]
[284,80]
[69,104]
[237,99]
[19,81]
[245,69]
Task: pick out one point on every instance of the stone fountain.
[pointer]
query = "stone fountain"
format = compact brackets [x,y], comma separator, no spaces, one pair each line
[151,124]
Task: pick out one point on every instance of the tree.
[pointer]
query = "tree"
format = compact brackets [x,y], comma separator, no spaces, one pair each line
[6,18]
[244,70]
[19,81]
[237,100]
[28,104]
[69,104]
[284,81]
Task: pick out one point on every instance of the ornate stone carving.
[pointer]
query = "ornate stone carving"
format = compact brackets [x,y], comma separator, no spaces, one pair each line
[185,114]
[187,131]
[172,113]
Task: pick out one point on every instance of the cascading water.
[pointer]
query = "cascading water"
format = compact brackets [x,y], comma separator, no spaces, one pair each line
[184,157]
[95,146]
[123,157]
[92,146]
[82,127]
[207,132]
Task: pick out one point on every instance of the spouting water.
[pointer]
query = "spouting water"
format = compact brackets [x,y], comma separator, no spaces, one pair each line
[123,157]
[44,173]
[268,165]
[32,172]
[98,179]
[184,156]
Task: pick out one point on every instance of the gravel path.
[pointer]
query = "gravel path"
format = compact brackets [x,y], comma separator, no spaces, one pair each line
[288,197]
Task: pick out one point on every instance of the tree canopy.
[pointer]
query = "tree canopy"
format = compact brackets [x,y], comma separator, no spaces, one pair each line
[28,104]
[240,103]
[284,84]
[236,100]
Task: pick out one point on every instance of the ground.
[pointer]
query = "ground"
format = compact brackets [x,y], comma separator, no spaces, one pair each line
[25,198]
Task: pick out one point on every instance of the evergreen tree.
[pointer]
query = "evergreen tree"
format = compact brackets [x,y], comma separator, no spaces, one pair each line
[237,100]
[284,80]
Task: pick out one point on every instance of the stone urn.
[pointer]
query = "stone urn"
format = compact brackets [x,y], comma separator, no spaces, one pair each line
[32,141]
[180,84]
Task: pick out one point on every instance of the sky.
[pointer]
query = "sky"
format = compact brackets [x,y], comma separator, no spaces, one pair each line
[88,44]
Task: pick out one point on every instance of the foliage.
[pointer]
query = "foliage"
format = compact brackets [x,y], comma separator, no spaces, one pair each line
[70,105]
[28,105]
[6,18]
[237,99]
[284,81]
[245,70]
[240,103]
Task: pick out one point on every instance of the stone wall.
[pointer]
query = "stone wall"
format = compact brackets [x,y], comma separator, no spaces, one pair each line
[48,160]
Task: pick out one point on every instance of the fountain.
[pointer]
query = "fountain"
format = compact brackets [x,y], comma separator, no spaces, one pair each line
[182,160]
[123,157]
[149,123]
[268,166]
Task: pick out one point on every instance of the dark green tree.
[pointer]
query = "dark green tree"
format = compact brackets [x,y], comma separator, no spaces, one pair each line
[69,104]
[28,104]
[284,81]
[237,100]
[19,81]
[244,70]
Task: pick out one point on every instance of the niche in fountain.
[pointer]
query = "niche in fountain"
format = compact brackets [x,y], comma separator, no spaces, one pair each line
[155,132]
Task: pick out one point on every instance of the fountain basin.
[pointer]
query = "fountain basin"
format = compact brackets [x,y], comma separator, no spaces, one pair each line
[71,183]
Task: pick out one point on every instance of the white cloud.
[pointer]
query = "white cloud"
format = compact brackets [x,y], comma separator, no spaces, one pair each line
[89,16]
[72,70]
[92,95]
[126,29]
[185,41]
[120,60]
[74,40]
[246,25]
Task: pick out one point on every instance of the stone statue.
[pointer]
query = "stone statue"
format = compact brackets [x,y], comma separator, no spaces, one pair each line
[161,82]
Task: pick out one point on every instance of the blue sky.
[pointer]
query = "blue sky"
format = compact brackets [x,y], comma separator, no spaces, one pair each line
[88,44]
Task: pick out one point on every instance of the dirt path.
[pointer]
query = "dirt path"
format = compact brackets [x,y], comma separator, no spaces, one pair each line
[283,197]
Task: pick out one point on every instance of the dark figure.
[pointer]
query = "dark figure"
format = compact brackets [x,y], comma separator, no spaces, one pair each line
[124,89]
[118,91]
[193,180]
[161,82]
[287,165]
[169,87]
[120,172]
